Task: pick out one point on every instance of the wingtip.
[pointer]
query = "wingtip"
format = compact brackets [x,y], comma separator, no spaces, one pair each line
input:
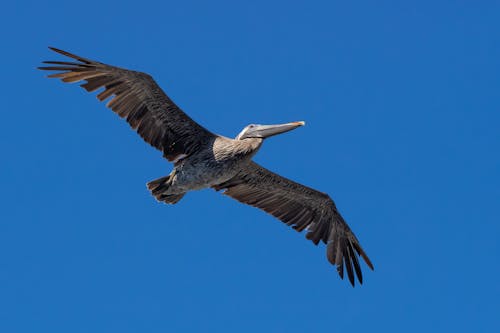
[55,49]
[70,55]
[363,254]
[340,271]
[40,68]
[368,262]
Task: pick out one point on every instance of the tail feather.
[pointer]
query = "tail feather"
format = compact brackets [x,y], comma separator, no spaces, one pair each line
[159,187]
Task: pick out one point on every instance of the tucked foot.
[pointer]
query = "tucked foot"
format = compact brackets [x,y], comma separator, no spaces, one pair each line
[159,189]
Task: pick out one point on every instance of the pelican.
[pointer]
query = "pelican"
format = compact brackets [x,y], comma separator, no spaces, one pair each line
[202,159]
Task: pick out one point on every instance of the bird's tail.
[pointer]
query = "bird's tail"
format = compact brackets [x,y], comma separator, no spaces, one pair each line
[159,187]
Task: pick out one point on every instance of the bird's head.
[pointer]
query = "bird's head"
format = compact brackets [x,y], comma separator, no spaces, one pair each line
[266,131]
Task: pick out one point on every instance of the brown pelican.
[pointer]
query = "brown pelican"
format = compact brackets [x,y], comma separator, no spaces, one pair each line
[202,159]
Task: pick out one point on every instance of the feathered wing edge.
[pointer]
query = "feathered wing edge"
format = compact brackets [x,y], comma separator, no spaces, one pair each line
[302,208]
[137,98]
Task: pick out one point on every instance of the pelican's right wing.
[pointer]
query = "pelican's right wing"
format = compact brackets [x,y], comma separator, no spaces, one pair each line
[138,99]
[302,208]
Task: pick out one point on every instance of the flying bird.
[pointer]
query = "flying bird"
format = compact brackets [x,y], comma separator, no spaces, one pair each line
[203,159]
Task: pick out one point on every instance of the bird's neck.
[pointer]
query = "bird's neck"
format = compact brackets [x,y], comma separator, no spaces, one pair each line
[249,146]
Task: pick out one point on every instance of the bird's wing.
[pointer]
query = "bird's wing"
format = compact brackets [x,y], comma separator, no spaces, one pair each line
[138,99]
[302,208]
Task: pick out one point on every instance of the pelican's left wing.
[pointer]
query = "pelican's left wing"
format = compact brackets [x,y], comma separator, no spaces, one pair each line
[302,208]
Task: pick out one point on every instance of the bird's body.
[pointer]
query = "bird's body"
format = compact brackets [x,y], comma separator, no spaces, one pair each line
[202,159]
[214,163]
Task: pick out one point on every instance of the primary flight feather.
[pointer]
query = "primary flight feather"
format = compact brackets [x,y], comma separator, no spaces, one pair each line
[202,159]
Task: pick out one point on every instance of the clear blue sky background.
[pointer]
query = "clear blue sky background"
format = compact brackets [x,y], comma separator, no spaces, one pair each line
[401,100]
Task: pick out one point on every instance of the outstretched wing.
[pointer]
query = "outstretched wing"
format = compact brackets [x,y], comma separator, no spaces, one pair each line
[138,99]
[302,208]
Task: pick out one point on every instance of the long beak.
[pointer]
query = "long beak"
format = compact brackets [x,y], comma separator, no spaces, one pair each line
[265,131]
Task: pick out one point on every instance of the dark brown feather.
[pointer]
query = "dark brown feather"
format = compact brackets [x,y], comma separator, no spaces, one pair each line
[302,208]
[138,99]
[347,260]
[355,262]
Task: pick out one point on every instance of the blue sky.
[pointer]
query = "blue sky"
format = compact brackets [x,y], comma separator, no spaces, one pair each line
[403,131]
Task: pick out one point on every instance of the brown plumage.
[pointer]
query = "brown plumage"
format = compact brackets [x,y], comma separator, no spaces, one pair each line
[138,99]
[202,159]
[302,208]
